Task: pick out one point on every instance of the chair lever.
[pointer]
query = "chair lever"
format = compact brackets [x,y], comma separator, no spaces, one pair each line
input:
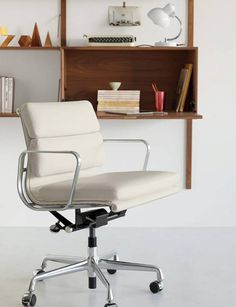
[62,223]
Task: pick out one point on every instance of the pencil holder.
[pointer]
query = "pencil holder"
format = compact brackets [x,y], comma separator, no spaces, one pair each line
[159,101]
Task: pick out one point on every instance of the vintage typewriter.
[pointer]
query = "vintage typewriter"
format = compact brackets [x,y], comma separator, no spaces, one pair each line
[111,40]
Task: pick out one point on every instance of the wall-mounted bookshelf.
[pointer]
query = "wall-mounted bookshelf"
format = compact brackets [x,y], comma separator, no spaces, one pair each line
[84,70]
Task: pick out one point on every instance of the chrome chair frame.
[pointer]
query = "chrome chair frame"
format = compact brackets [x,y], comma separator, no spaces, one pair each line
[22,170]
[93,264]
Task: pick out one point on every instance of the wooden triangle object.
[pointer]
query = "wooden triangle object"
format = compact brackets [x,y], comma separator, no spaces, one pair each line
[7,41]
[48,42]
[36,40]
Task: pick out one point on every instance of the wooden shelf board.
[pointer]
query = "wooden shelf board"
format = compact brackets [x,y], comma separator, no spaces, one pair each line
[170,115]
[74,48]
[103,115]
[130,48]
[29,48]
[8,115]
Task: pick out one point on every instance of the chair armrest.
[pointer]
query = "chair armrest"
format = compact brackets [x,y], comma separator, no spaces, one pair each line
[147,145]
[21,186]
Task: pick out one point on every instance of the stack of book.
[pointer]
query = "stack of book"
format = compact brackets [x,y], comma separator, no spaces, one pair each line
[6,94]
[183,86]
[118,101]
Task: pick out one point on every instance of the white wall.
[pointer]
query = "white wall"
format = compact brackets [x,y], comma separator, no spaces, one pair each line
[211,202]
[90,17]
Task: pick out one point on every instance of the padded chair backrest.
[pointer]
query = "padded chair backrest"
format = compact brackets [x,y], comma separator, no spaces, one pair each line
[61,126]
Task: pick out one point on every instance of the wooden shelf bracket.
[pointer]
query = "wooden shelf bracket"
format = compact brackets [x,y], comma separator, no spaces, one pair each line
[188,158]
[63,23]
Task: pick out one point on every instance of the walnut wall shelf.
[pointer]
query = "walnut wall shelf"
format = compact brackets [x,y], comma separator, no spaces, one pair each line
[84,70]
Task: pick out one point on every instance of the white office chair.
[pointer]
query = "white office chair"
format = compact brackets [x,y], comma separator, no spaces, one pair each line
[60,171]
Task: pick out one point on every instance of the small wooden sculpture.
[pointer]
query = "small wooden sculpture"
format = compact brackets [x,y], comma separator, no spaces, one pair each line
[36,40]
[25,41]
[48,42]
[7,41]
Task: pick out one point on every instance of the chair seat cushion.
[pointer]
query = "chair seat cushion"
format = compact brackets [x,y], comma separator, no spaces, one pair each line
[123,189]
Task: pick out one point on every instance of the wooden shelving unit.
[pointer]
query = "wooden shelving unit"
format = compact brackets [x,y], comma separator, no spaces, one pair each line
[84,70]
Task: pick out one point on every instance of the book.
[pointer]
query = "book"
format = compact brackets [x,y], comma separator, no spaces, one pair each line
[6,101]
[9,106]
[139,113]
[118,110]
[118,101]
[3,94]
[6,94]
[189,67]
[118,92]
[118,106]
[0,95]
[111,95]
[185,87]
[180,87]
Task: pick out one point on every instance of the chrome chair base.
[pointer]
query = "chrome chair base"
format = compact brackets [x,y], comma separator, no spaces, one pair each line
[94,266]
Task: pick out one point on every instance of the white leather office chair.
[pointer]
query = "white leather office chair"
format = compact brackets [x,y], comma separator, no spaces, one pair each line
[59,171]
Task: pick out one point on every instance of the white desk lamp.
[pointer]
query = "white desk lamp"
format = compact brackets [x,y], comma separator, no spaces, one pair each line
[162,17]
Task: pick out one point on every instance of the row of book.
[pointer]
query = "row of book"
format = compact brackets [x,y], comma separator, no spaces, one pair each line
[6,94]
[183,86]
[123,101]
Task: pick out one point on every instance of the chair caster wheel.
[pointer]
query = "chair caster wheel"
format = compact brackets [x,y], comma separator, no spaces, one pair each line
[110,305]
[156,286]
[111,272]
[29,299]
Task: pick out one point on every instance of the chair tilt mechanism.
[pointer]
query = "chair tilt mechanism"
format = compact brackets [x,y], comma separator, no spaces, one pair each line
[93,218]
[60,171]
